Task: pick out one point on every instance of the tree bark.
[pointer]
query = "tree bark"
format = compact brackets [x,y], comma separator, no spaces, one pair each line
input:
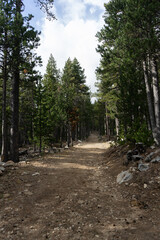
[15,117]
[107,123]
[69,134]
[4,151]
[40,119]
[117,126]
[155,83]
[15,85]
[155,132]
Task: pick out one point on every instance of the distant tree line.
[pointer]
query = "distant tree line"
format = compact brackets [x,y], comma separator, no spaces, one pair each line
[128,81]
[64,105]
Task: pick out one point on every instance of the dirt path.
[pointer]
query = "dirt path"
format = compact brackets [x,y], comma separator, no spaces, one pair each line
[69,196]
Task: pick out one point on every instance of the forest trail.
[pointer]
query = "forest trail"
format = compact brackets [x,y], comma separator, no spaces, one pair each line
[69,196]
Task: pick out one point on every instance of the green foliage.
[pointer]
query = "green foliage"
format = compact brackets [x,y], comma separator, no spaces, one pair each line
[76,96]
[61,100]
[98,117]
[140,134]
[137,133]
[130,32]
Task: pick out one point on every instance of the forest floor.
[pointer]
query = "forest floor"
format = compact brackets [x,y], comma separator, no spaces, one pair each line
[73,195]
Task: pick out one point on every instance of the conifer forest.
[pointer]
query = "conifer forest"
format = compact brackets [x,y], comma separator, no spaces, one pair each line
[35,109]
[57,107]
[77,164]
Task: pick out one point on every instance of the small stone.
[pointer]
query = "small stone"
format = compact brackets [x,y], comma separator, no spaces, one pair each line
[2,163]
[22,163]
[157,151]
[134,197]
[28,185]
[14,168]
[143,167]
[2,169]
[145,185]
[36,174]
[24,173]
[28,193]
[150,182]
[156,160]
[81,202]
[6,195]
[124,176]
[152,147]
[134,184]
[9,164]
[132,169]
[149,157]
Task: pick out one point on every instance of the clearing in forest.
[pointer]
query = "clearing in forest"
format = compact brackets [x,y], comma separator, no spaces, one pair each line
[72,195]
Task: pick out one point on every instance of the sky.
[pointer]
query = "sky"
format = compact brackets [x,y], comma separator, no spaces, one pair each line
[71,35]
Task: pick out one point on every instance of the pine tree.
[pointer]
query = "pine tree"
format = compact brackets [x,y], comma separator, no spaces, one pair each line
[15,54]
[128,39]
[5,19]
[77,98]
[50,84]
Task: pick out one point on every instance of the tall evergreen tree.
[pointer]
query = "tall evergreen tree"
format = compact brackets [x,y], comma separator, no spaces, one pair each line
[128,42]
[50,84]
[5,20]
[16,52]
[77,98]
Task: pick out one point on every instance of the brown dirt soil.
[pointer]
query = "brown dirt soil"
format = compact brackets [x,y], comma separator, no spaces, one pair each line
[73,195]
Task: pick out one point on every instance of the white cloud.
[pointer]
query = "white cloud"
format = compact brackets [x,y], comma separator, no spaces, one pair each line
[92,10]
[98,3]
[73,38]
[71,9]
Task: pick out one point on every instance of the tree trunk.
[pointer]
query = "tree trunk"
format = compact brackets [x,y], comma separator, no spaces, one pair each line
[40,120]
[117,126]
[76,133]
[107,123]
[150,106]
[155,83]
[60,137]
[69,134]
[71,139]
[15,117]
[4,152]
[15,85]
